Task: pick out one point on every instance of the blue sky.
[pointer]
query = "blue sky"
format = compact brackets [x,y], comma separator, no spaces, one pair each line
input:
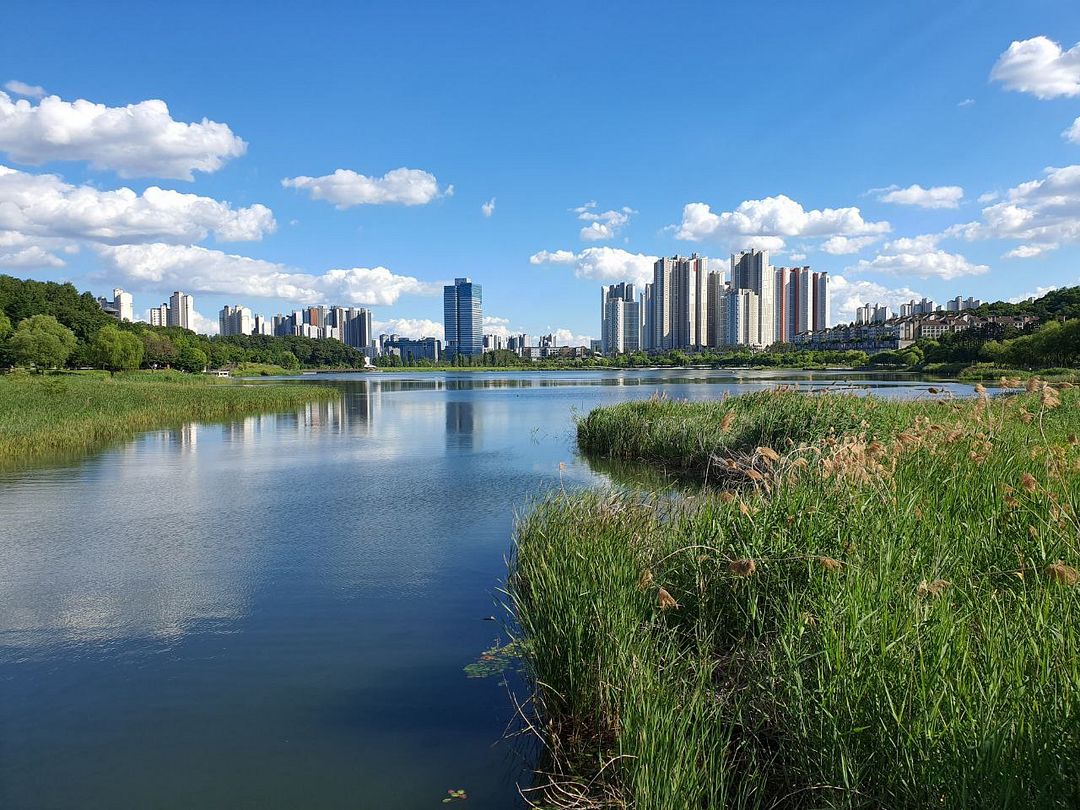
[905,148]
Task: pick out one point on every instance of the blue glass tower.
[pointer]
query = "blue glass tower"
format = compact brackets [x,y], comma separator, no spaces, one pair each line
[463,318]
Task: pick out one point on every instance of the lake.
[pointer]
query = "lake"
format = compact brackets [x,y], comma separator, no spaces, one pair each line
[276,612]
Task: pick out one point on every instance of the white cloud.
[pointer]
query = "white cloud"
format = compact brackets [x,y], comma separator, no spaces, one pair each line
[1042,212]
[933,263]
[1026,251]
[602,263]
[913,244]
[33,256]
[494,325]
[843,245]
[24,89]
[846,296]
[200,270]
[345,188]
[409,327]
[1073,132]
[139,140]
[202,325]
[1038,292]
[933,197]
[488,208]
[1039,66]
[44,206]
[988,197]
[565,337]
[553,257]
[967,102]
[602,225]
[764,223]
[797,257]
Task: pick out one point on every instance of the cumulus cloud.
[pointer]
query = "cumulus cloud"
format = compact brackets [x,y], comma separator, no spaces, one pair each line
[44,206]
[603,225]
[913,244]
[933,197]
[1042,212]
[797,257]
[29,257]
[932,263]
[566,337]
[201,270]
[1038,292]
[139,140]
[842,245]
[24,89]
[1026,251]
[409,327]
[1039,66]
[601,263]
[967,102]
[764,223]
[345,188]
[488,208]
[202,325]
[1073,132]
[845,296]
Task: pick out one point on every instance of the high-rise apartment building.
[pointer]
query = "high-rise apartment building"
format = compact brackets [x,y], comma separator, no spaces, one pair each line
[159,316]
[737,318]
[237,320]
[678,303]
[872,313]
[121,307]
[716,290]
[750,270]
[181,310]
[821,305]
[620,319]
[463,318]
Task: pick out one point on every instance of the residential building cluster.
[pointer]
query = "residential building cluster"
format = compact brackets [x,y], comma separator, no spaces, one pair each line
[687,306]
[880,313]
[179,311]
[893,334]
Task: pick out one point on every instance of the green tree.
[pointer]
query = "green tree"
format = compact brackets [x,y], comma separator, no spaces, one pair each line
[41,341]
[5,326]
[191,359]
[115,350]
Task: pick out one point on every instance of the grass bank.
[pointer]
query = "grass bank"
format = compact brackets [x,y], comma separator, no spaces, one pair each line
[883,612]
[49,416]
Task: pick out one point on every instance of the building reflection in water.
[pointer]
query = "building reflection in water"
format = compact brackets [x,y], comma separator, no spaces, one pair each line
[460,426]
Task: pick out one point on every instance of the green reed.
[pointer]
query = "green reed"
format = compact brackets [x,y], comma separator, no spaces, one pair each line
[882,611]
[51,416]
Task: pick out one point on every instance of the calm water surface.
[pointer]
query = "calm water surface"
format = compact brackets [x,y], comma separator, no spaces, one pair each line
[275,612]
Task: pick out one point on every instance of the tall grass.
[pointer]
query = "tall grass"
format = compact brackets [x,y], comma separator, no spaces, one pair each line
[876,617]
[44,417]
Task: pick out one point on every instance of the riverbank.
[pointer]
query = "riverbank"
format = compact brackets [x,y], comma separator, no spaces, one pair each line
[880,609]
[47,416]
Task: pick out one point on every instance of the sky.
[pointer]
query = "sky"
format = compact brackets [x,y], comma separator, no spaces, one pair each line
[279,154]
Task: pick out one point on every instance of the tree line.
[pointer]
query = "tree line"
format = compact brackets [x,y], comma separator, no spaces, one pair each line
[45,325]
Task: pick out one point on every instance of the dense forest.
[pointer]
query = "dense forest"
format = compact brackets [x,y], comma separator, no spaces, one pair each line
[47,325]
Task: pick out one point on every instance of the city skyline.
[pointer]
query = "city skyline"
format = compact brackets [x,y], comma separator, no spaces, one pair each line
[153,181]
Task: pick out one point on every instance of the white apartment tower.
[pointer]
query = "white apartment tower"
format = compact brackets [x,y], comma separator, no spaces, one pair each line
[620,319]
[181,310]
[750,270]
[737,317]
[679,303]
[238,320]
